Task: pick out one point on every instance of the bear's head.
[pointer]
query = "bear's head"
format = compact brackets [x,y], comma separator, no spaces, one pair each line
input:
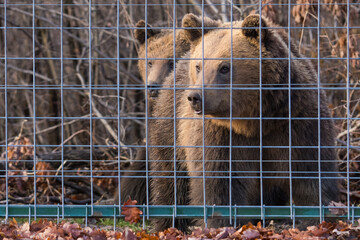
[226,63]
[160,50]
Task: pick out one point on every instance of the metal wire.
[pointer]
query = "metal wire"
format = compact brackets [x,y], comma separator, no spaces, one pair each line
[62,107]
[203,115]
[261,115]
[180,4]
[348,108]
[91,109]
[175,116]
[289,106]
[231,110]
[147,112]
[118,103]
[34,102]
[6,118]
[122,115]
[319,112]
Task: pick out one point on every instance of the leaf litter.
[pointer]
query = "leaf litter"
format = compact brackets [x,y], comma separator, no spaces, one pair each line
[44,229]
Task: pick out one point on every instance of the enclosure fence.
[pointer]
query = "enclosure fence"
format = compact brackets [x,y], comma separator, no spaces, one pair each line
[83,119]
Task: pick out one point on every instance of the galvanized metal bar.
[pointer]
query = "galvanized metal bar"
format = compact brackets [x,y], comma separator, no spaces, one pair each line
[182,4]
[164,118]
[289,106]
[119,119]
[146,112]
[62,106]
[58,214]
[174,110]
[203,107]
[113,60]
[90,107]
[29,214]
[231,109]
[114,217]
[6,116]
[34,102]
[156,28]
[319,110]
[348,115]
[86,215]
[261,116]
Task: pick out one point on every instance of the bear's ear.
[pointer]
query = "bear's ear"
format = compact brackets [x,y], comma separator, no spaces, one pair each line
[251,27]
[190,22]
[140,32]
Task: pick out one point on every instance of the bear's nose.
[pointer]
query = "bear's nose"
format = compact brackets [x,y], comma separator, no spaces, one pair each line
[153,91]
[194,98]
[195,101]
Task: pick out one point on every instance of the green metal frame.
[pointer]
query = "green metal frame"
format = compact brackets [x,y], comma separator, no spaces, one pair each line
[265,212]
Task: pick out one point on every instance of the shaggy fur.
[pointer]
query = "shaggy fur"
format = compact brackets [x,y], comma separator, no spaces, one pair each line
[245,133]
[160,44]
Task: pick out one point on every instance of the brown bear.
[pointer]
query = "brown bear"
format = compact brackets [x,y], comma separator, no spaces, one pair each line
[163,160]
[160,51]
[229,96]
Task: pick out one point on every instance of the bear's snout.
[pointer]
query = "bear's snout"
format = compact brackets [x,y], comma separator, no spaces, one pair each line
[195,102]
[153,91]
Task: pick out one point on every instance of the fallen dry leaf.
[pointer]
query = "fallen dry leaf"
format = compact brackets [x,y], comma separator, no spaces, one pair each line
[251,234]
[16,152]
[338,211]
[132,214]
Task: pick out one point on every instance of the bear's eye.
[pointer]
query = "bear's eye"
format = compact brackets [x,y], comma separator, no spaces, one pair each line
[149,64]
[197,68]
[224,69]
[171,64]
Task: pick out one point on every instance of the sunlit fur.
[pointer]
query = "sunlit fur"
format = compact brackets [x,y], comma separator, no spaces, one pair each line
[249,145]
[160,45]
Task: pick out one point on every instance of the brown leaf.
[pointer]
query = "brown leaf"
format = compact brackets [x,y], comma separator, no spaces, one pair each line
[73,230]
[337,211]
[39,225]
[224,233]
[320,232]
[145,236]
[251,234]
[13,222]
[19,152]
[276,236]
[132,214]
[129,235]
[98,235]
[43,169]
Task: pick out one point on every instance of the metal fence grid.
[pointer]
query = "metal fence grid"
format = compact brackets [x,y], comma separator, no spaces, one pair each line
[74,109]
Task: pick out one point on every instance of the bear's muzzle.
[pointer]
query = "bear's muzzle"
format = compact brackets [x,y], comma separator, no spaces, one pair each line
[153,90]
[195,101]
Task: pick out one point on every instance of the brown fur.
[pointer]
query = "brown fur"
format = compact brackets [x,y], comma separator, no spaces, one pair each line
[133,181]
[245,163]
[161,133]
[160,44]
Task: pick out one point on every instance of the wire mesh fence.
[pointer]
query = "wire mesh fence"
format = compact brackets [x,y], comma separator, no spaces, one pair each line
[224,111]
